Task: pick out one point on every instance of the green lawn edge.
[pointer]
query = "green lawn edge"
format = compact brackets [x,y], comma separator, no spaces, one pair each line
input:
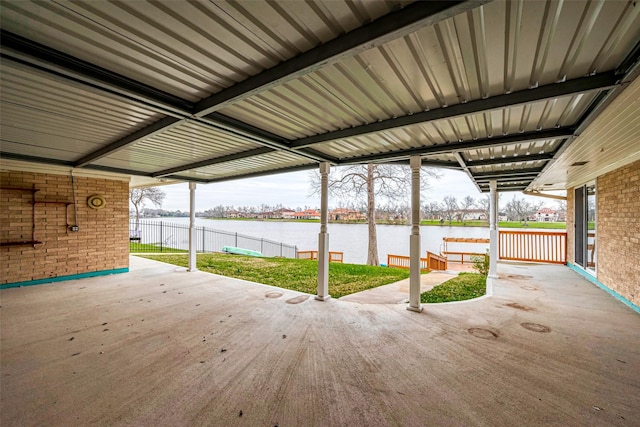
[464,286]
[294,274]
[135,248]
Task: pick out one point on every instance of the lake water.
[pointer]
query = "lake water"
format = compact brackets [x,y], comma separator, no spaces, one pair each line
[348,238]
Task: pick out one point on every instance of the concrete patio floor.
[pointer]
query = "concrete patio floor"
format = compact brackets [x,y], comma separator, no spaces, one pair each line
[160,346]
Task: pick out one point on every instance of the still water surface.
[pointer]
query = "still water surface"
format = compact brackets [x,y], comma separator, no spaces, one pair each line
[348,238]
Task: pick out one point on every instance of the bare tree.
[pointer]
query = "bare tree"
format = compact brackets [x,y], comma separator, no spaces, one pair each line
[484,204]
[432,210]
[139,195]
[521,210]
[465,206]
[368,182]
[561,205]
[449,208]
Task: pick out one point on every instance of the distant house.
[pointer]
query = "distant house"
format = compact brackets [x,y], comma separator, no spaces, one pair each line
[344,214]
[268,215]
[545,215]
[286,213]
[471,214]
[240,214]
[307,214]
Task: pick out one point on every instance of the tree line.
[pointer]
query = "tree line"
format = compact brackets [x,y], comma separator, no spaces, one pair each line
[382,193]
[447,210]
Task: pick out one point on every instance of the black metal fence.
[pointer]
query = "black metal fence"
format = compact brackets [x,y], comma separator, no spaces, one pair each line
[164,236]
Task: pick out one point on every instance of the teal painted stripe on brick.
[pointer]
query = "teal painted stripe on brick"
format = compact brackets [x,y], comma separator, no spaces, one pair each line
[602,286]
[63,278]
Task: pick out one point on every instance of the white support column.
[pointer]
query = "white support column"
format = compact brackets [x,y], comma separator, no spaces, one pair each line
[192,227]
[414,239]
[493,229]
[323,237]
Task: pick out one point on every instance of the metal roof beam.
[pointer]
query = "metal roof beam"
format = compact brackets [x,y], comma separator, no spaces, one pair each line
[584,84]
[507,180]
[503,187]
[389,27]
[66,163]
[428,163]
[214,161]
[464,167]
[510,159]
[53,61]
[147,132]
[563,132]
[35,55]
[264,173]
[511,172]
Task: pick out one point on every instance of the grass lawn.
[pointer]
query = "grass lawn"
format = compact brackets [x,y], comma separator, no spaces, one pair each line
[462,287]
[135,247]
[295,274]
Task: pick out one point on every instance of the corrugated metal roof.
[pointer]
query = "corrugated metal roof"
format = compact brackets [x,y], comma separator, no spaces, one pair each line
[524,118]
[446,64]
[185,143]
[42,113]
[189,49]
[217,90]
[612,141]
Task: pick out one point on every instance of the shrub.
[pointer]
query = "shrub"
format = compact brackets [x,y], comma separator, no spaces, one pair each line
[481,264]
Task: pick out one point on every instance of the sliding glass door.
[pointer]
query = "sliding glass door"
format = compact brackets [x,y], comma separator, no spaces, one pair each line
[585,253]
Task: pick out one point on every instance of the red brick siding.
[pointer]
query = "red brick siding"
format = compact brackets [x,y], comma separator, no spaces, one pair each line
[618,231]
[101,244]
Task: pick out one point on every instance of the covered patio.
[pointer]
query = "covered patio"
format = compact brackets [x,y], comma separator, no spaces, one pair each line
[519,96]
[160,346]
[98,97]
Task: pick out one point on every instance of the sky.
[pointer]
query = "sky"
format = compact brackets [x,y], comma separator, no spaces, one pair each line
[293,190]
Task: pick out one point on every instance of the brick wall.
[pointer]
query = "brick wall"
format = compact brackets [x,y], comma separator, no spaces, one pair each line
[101,243]
[618,231]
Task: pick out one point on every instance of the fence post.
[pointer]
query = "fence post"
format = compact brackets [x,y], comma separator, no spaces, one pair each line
[203,235]
[236,245]
[280,249]
[161,236]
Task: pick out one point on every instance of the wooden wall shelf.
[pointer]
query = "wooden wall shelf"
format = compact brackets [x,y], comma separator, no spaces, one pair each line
[33,190]
[53,202]
[23,243]
[19,189]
